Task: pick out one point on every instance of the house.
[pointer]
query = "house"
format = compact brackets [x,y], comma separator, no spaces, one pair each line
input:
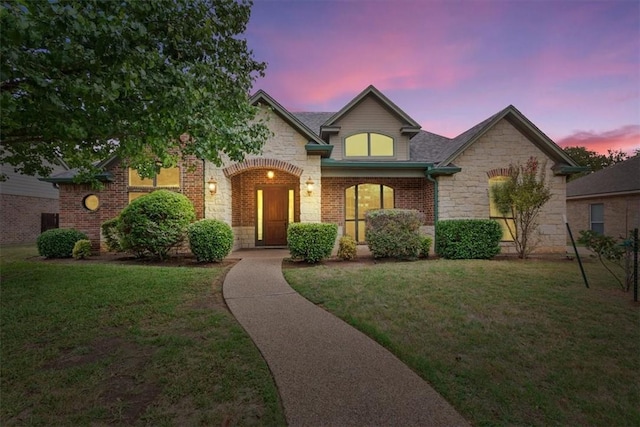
[333,167]
[28,206]
[606,201]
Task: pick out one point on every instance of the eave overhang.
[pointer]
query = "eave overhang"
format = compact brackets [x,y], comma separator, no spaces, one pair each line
[323,151]
[347,164]
[102,177]
[568,170]
[443,170]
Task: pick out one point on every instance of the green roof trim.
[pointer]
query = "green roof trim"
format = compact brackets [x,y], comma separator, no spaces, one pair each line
[102,177]
[570,170]
[322,150]
[332,163]
[444,170]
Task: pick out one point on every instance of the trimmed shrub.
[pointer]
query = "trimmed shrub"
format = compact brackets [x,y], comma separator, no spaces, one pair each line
[210,240]
[425,246]
[468,238]
[82,249]
[311,242]
[347,248]
[111,235]
[394,233]
[155,223]
[58,242]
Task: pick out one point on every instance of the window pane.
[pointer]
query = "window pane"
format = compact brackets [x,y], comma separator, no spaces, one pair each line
[597,212]
[135,180]
[493,209]
[291,206]
[356,145]
[168,177]
[361,231]
[368,198]
[259,219]
[350,228]
[381,145]
[387,195]
[134,195]
[350,203]
[598,227]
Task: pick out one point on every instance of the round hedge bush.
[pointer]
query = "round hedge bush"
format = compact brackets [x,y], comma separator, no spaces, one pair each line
[59,242]
[155,223]
[82,249]
[210,240]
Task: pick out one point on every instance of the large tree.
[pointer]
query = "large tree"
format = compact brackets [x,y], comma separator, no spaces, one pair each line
[594,161]
[150,81]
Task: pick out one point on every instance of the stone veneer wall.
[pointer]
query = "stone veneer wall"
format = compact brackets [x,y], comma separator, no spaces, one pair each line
[286,147]
[115,196]
[466,193]
[20,217]
[621,214]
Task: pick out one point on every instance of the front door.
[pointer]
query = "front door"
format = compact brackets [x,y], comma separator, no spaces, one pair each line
[276,215]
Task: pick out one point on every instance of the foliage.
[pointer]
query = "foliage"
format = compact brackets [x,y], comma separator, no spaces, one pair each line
[111,235]
[347,249]
[149,81]
[58,242]
[611,253]
[468,238]
[425,246]
[210,239]
[593,160]
[522,197]
[82,249]
[394,233]
[310,241]
[155,223]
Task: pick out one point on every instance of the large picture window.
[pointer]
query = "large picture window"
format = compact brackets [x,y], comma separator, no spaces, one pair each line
[166,178]
[368,145]
[506,221]
[358,200]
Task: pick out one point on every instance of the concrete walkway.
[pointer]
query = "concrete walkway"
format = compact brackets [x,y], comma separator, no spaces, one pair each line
[327,372]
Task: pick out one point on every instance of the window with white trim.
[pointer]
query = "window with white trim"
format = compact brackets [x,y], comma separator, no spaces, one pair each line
[596,217]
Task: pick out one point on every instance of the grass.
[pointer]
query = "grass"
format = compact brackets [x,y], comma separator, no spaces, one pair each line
[94,344]
[506,342]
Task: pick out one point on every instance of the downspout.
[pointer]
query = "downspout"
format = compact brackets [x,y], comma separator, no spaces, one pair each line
[427,173]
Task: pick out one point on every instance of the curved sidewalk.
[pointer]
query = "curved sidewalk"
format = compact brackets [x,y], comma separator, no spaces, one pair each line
[327,372]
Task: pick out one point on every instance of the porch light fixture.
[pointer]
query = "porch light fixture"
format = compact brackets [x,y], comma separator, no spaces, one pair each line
[309,186]
[212,184]
[270,174]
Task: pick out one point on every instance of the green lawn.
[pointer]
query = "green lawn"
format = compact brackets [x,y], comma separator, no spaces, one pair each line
[506,342]
[95,344]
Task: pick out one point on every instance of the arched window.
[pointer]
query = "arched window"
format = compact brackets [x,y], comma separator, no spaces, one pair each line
[368,145]
[358,200]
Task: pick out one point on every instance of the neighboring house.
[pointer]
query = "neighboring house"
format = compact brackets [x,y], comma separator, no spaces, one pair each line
[333,167]
[28,206]
[606,201]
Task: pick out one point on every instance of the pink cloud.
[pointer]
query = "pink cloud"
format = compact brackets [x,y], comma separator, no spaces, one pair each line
[626,138]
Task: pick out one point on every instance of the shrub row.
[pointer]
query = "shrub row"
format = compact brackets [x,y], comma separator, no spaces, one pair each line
[58,242]
[468,238]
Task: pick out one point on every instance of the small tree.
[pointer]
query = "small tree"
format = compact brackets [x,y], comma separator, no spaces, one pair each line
[522,196]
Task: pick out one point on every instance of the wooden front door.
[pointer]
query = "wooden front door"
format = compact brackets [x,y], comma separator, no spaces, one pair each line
[276,215]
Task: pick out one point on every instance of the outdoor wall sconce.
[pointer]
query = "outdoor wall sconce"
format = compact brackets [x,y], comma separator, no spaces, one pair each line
[212,184]
[270,174]
[309,186]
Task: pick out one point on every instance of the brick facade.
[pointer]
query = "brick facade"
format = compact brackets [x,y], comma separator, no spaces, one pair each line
[21,215]
[621,214]
[115,196]
[409,193]
[244,187]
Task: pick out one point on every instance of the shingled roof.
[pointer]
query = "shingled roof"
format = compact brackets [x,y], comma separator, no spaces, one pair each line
[621,178]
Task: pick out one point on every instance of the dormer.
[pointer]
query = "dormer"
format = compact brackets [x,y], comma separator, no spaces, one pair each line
[370,128]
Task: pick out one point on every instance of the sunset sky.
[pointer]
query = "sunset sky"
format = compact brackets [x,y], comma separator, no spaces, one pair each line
[572,67]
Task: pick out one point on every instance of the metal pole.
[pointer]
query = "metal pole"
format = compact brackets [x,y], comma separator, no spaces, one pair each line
[635,264]
[575,249]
